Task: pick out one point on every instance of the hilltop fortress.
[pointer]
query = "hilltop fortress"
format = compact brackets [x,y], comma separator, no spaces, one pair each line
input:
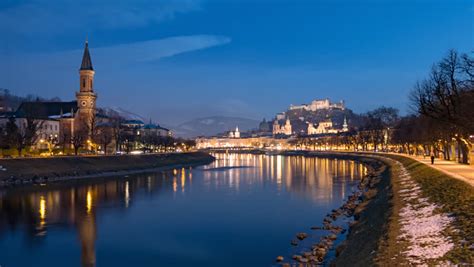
[318,105]
[319,119]
[321,116]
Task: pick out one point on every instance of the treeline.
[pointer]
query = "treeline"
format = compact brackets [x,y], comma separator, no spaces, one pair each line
[19,136]
[441,120]
[443,105]
[127,139]
[104,134]
[374,133]
[10,102]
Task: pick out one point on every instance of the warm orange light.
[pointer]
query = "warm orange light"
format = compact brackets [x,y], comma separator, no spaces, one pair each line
[175,184]
[89,202]
[42,210]
[127,194]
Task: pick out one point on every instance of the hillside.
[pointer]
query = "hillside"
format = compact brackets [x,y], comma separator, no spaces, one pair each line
[300,118]
[210,126]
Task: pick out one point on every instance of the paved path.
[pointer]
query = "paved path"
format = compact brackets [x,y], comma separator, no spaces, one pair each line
[452,168]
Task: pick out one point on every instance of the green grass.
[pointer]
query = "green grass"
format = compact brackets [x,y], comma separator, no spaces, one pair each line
[389,244]
[455,198]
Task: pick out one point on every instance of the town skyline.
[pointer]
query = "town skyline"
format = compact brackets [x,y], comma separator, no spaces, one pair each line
[180,71]
[186,132]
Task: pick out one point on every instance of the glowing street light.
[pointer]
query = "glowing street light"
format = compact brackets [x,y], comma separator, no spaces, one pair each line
[49,144]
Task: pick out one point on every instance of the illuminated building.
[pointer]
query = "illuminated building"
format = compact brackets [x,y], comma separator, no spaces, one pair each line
[319,105]
[58,120]
[234,134]
[284,129]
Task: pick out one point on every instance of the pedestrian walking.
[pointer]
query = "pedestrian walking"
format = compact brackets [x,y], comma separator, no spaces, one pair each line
[432,158]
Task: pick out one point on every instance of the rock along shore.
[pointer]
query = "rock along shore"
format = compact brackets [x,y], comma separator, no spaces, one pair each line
[45,170]
[367,209]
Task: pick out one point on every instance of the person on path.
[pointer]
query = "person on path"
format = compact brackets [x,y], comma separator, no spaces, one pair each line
[432,158]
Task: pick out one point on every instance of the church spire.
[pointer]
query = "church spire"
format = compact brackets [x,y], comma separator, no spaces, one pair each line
[345,127]
[86,58]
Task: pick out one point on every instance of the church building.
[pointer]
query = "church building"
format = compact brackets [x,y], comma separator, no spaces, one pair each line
[285,129]
[76,118]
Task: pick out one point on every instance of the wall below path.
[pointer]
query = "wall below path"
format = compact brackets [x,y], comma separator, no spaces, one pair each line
[34,170]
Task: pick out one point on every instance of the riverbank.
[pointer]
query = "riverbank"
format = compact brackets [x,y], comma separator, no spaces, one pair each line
[413,215]
[406,213]
[432,218]
[45,170]
[351,232]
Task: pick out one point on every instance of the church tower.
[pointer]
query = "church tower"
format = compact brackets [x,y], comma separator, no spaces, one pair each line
[345,127]
[86,97]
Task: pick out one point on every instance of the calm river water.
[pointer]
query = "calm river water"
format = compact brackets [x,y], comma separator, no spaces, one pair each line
[241,210]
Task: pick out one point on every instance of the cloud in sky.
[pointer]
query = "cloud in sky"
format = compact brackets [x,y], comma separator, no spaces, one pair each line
[157,49]
[110,60]
[124,54]
[56,16]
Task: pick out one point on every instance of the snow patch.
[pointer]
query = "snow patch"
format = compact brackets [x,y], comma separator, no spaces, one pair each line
[422,224]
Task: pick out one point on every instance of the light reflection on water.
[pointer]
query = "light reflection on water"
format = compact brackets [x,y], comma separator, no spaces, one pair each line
[312,177]
[251,205]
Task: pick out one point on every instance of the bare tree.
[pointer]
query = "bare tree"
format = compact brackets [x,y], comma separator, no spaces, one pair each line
[447,97]
[77,141]
[104,137]
[64,140]
[24,135]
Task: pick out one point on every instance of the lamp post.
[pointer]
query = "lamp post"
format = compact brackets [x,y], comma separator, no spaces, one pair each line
[49,144]
[92,145]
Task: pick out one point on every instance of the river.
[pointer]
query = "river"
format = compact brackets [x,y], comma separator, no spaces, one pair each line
[241,210]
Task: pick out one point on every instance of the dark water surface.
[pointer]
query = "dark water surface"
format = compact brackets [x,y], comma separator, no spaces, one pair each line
[241,210]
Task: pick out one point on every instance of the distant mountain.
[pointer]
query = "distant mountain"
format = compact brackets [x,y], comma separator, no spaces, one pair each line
[128,115]
[210,126]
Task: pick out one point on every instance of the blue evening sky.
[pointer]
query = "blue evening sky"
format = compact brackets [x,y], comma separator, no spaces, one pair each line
[178,59]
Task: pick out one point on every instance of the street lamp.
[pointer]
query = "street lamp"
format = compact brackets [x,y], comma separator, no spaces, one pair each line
[49,144]
[91,144]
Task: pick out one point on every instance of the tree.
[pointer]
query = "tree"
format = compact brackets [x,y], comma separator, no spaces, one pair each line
[376,127]
[447,97]
[79,138]
[117,130]
[104,136]
[64,140]
[23,136]
[3,140]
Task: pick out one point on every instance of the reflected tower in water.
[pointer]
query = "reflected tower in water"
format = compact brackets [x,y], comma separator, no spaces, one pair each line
[74,208]
[87,229]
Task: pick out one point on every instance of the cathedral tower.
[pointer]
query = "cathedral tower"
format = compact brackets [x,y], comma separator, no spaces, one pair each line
[86,96]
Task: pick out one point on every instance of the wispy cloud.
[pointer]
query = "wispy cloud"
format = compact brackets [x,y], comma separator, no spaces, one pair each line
[111,61]
[57,16]
[157,49]
[111,57]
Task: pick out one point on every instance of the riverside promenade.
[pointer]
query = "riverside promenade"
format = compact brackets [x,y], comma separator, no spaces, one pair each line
[459,171]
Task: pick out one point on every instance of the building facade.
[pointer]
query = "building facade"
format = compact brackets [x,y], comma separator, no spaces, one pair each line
[326,127]
[58,121]
[234,134]
[319,104]
[284,129]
